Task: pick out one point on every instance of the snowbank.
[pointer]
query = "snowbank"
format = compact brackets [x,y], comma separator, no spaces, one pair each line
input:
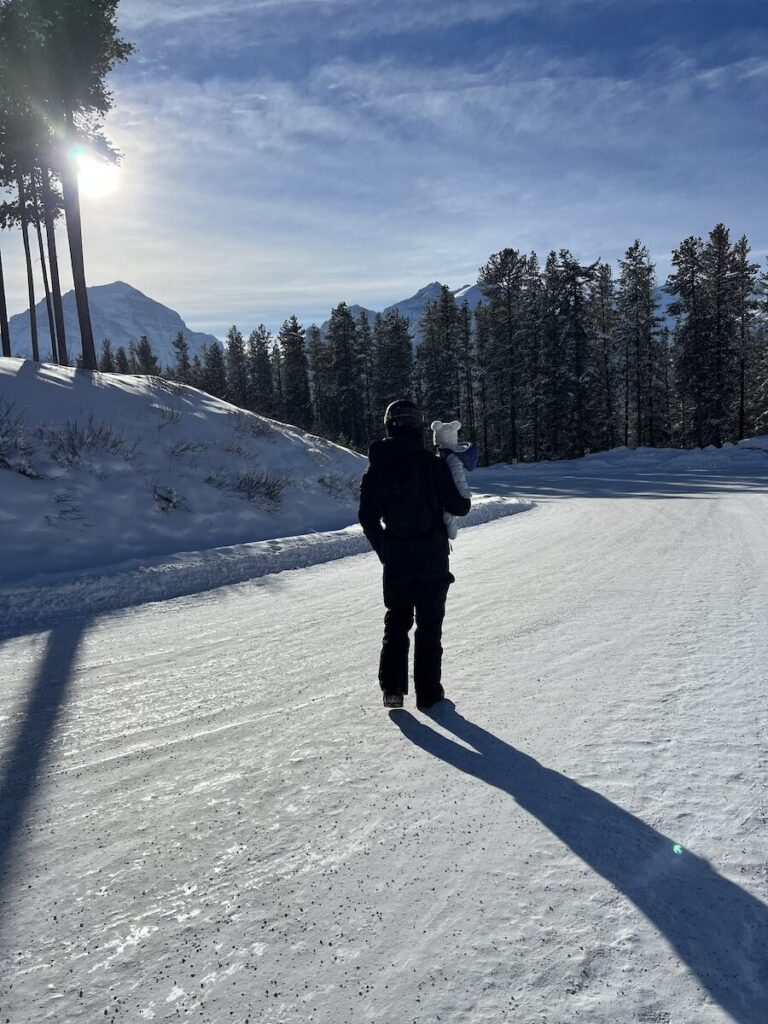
[98,469]
[118,490]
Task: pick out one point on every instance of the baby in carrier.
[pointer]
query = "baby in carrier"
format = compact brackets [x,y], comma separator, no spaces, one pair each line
[460,456]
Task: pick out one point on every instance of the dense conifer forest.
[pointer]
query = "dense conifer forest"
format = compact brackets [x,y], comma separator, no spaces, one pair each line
[557,360]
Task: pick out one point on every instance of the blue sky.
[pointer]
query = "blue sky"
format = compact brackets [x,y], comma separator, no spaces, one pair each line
[283,155]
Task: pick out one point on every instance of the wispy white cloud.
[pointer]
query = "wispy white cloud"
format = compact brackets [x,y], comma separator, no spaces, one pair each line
[249,197]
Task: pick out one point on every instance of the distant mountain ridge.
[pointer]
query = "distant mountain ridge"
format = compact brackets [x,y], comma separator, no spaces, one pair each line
[119,312]
[414,307]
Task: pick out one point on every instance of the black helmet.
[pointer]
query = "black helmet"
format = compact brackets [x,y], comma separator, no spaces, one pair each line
[402,417]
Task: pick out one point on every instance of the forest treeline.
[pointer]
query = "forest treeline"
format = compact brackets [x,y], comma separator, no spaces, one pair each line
[557,360]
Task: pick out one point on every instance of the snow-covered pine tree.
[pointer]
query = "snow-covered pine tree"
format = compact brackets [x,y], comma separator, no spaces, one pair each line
[261,387]
[297,404]
[106,359]
[236,368]
[182,368]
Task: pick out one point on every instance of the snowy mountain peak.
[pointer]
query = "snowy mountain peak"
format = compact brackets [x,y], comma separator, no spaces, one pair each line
[119,312]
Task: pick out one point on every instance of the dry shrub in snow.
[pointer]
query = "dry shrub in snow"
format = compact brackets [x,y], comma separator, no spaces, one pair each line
[249,423]
[258,486]
[343,488]
[15,449]
[67,442]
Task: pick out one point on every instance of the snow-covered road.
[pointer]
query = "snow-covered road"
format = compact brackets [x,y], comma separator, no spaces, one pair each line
[209,817]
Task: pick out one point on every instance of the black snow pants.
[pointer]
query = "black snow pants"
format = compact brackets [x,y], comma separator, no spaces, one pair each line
[409,594]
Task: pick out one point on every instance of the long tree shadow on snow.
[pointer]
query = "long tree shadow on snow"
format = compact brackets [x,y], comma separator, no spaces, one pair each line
[23,764]
[717,929]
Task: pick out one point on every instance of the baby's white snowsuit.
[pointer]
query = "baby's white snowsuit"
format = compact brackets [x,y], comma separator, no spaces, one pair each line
[446,438]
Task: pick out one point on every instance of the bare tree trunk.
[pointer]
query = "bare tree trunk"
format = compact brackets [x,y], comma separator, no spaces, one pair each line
[71,195]
[43,265]
[28,259]
[5,333]
[53,260]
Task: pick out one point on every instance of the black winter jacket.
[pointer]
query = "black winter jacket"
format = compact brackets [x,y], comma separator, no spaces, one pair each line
[398,468]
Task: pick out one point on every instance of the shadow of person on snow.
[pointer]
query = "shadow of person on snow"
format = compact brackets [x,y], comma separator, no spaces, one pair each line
[717,929]
[22,766]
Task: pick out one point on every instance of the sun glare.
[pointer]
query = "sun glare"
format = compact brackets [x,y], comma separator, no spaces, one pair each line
[96,178]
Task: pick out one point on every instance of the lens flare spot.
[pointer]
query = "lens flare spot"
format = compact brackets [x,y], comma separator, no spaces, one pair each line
[96,178]
[677,848]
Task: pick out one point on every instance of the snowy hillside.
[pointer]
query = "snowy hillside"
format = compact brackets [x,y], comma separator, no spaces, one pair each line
[118,312]
[208,816]
[101,468]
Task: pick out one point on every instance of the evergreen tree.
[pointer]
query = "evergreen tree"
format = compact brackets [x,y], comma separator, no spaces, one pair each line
[745,281]
[297,405]
[213,378]
[276,361]
[531,357]
[196,372]
[106,360]
[602,315]
[236,369]
[466,369]
[321,382]
[393,362]
[722,383]
[346,375]
[261,387]
[365,353]
[145,359]
[5,334]
[182,368]
[687,283]
[637,332]
[483,381]
[122,363]
[437,358]
[554,368]
[501,279]
[579,363]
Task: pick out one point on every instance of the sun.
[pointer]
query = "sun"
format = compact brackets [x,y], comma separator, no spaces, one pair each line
[96,178]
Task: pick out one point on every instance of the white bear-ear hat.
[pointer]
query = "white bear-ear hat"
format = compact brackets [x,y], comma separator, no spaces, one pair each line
[445,434]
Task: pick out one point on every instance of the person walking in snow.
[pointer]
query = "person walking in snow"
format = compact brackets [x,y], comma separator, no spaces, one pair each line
[408,489]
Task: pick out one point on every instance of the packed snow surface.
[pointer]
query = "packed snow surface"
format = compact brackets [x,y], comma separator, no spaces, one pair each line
[208,816]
